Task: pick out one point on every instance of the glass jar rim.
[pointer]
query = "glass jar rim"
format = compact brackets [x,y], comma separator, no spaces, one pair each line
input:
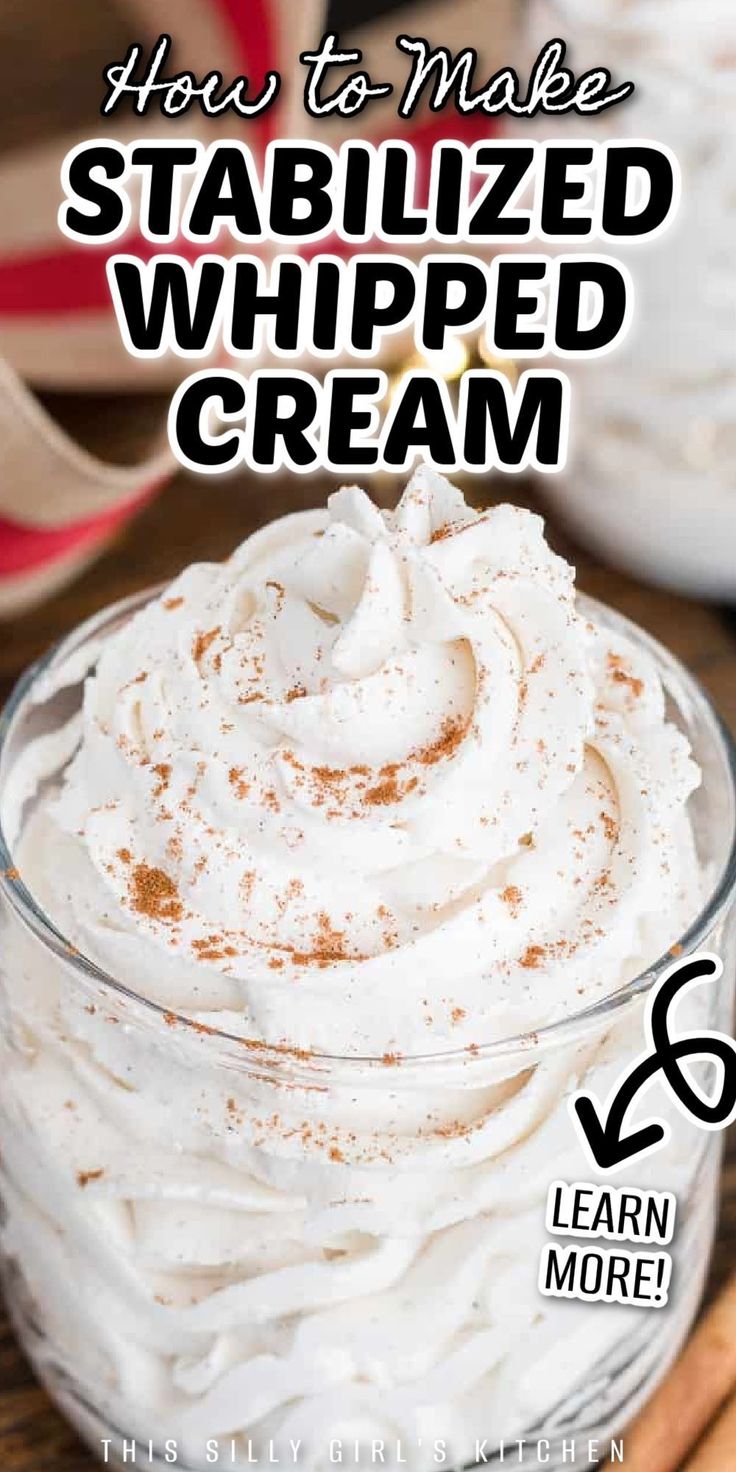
[554,1033]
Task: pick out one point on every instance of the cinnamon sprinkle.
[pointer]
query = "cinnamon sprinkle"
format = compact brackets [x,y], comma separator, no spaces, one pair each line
[202,643]
[332,782]
[532,957]
[154,893]
[389,791]
[328,946]
[85,1177]
[442,532]
[622,677]
[610,827]
[212,948]
[238,782]
[511,896]
[453,732]
[329,943]
[163,772]
[171,603]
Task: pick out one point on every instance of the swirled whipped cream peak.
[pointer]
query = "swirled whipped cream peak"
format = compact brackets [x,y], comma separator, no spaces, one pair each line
[375,784]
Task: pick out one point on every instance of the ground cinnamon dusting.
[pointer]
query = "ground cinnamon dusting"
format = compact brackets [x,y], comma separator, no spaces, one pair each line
[389,791]
[610,827]
[452,733]
[84,1177]
[328,945]
[332,782]
[212,948]
[154,893]
[622,677]
[441,532]
[238,783]
[511,896]
[171,603]
[202,643]
[280,592]
[532,957]
[329,777]
[163,771]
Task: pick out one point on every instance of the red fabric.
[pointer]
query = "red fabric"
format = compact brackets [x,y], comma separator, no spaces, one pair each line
[25,548]
[72,279]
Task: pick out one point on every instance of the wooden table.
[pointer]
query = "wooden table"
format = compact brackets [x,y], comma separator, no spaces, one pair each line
[202,519]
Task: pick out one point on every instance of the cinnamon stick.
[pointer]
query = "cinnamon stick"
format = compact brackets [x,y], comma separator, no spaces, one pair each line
[691,1395]
[718,1450]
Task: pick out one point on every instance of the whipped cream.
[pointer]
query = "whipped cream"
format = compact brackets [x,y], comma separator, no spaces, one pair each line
[374,786]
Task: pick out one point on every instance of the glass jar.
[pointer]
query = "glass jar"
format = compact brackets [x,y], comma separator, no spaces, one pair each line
[191,1262]
[652,468]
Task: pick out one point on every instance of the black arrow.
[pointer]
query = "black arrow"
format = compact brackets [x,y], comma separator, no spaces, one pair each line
[608,1145]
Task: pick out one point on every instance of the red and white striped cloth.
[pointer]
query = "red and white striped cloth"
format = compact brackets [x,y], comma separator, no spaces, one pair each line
[59,504]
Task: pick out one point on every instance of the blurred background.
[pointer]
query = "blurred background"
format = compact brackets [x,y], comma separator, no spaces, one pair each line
[90,506]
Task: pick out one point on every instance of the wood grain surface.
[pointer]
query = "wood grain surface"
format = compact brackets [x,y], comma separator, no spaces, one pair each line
[202,519]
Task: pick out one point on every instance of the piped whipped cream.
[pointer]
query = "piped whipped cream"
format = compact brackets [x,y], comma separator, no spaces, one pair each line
[374,784]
